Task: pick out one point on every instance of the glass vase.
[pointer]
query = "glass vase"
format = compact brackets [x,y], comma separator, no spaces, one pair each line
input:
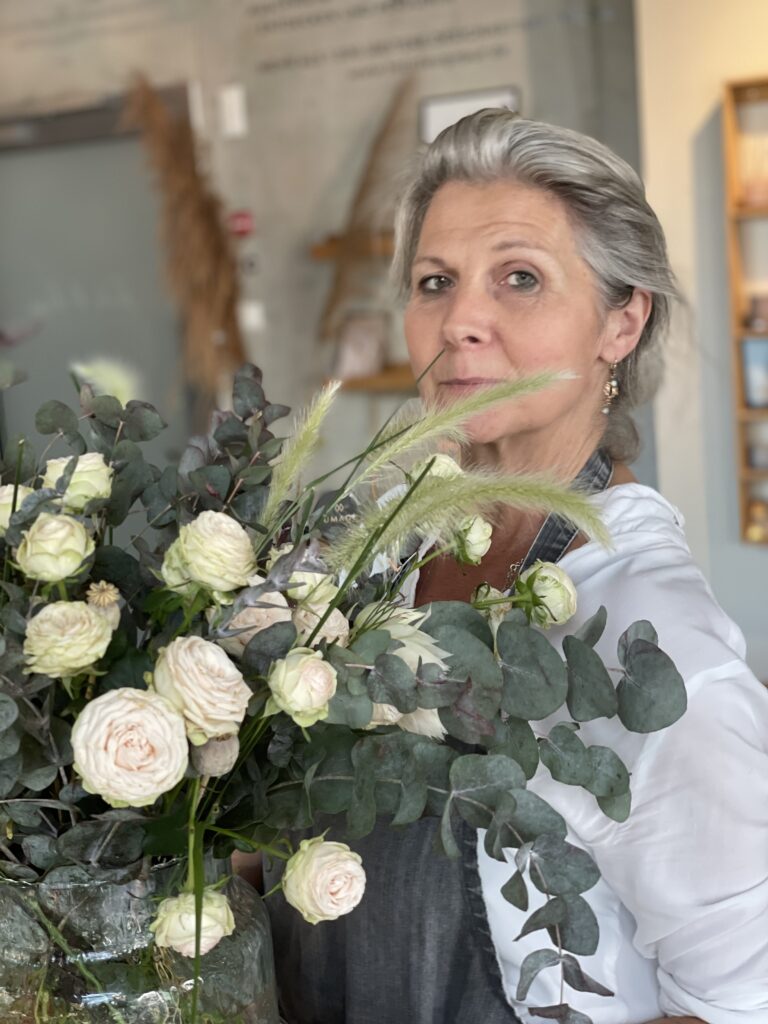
[74,950]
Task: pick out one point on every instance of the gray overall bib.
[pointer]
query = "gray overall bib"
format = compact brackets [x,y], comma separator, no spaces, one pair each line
[418,949]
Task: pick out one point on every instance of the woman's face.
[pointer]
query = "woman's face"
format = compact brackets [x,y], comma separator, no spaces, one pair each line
[499,287]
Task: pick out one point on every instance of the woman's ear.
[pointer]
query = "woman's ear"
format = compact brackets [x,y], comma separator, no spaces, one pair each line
[624,326]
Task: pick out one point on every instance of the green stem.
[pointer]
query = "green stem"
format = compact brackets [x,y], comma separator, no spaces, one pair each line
[62,589]
[74,956]
[194,799]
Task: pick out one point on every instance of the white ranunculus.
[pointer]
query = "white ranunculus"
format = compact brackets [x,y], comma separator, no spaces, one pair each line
[204,685]
[312,590]
[423,722]
[554,590]
[65,638]
[213,551]
[335,629]
[53,548]
[253,620]
[6,503]
[473,540]
[302,684]
[402,624]
[91,479]
[130,747]
[175,923]
[323,880]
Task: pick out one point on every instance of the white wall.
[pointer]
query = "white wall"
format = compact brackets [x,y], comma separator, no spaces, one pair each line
[686,51]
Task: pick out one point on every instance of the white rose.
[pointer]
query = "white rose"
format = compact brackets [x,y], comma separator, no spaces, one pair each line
[6,503]
[302,684]
[204,685]
[91,479]
[174,925]
[253,620]
[130,747]
[473,540]
[323,880]
[215,551]
[442,465]
[554,592]
[53,548]
[312,590]
[174,570]
[402,624]
[65,638]
[335,629]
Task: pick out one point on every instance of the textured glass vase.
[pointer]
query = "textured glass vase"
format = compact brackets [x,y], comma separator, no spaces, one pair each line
[78,951]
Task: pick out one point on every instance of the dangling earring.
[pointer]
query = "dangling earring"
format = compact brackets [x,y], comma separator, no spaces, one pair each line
[611,389]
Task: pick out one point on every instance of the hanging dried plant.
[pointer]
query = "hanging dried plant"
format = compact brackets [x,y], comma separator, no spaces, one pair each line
[200,263]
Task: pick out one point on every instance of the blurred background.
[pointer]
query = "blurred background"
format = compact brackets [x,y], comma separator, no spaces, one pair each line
[189,184]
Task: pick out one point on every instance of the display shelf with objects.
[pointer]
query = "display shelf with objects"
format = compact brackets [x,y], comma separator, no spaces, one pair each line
[745,141]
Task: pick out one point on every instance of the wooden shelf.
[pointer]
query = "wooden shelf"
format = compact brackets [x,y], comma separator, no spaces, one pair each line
[737,95]
[390,380]
[355,245]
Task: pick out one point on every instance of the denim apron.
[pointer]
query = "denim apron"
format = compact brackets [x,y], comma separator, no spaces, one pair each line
[418,949]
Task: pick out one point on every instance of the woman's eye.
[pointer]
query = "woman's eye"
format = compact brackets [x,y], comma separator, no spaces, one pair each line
[433,283]
[521,280]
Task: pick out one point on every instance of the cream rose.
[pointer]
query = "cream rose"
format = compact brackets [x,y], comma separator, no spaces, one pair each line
[335,629]
[495,612]
[554,592]
[204,685]
[273,608]
[130,747]
[323,880]
[312,590]
[175,571]
[302,684]
[473,540]
[6,503]
[53,548]
[213,551]
[91,479]
[175,923]
[65,638]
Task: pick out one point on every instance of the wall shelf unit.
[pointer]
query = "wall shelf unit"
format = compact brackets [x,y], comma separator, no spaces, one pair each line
[745,143]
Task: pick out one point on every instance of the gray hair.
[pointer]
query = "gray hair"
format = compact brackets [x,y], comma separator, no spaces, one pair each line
[619,235]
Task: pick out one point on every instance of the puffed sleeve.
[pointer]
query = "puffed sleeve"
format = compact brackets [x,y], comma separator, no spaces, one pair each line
[691,862]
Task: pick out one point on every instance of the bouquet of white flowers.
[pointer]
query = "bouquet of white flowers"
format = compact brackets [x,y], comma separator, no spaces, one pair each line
[242,662]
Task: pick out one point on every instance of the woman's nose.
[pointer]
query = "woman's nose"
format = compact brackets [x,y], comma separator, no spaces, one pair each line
[469,319]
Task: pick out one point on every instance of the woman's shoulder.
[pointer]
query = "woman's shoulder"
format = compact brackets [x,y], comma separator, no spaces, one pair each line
[650,573]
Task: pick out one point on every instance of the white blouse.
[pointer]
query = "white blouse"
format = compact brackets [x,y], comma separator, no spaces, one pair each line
[683,899]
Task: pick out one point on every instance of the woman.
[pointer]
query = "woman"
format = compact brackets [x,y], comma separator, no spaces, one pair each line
[522,246]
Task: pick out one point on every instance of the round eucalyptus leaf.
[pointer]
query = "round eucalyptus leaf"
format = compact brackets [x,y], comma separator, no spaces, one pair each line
[9,742]
[640,630]
[566,756]
[515,892]
[651,692]
[458,615]
[578,929]
[516,739]
[10,769]
[559,868]
[591,693]
[552,913]
[392,682]
[533,816]
[479,781]
[54,417]
[609,773]
[616,807]
[578,980]
[591,630]
[9,711]
[535,679]
[533,964]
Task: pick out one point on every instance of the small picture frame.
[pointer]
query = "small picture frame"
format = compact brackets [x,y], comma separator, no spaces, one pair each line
[438,112]
[755,371]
